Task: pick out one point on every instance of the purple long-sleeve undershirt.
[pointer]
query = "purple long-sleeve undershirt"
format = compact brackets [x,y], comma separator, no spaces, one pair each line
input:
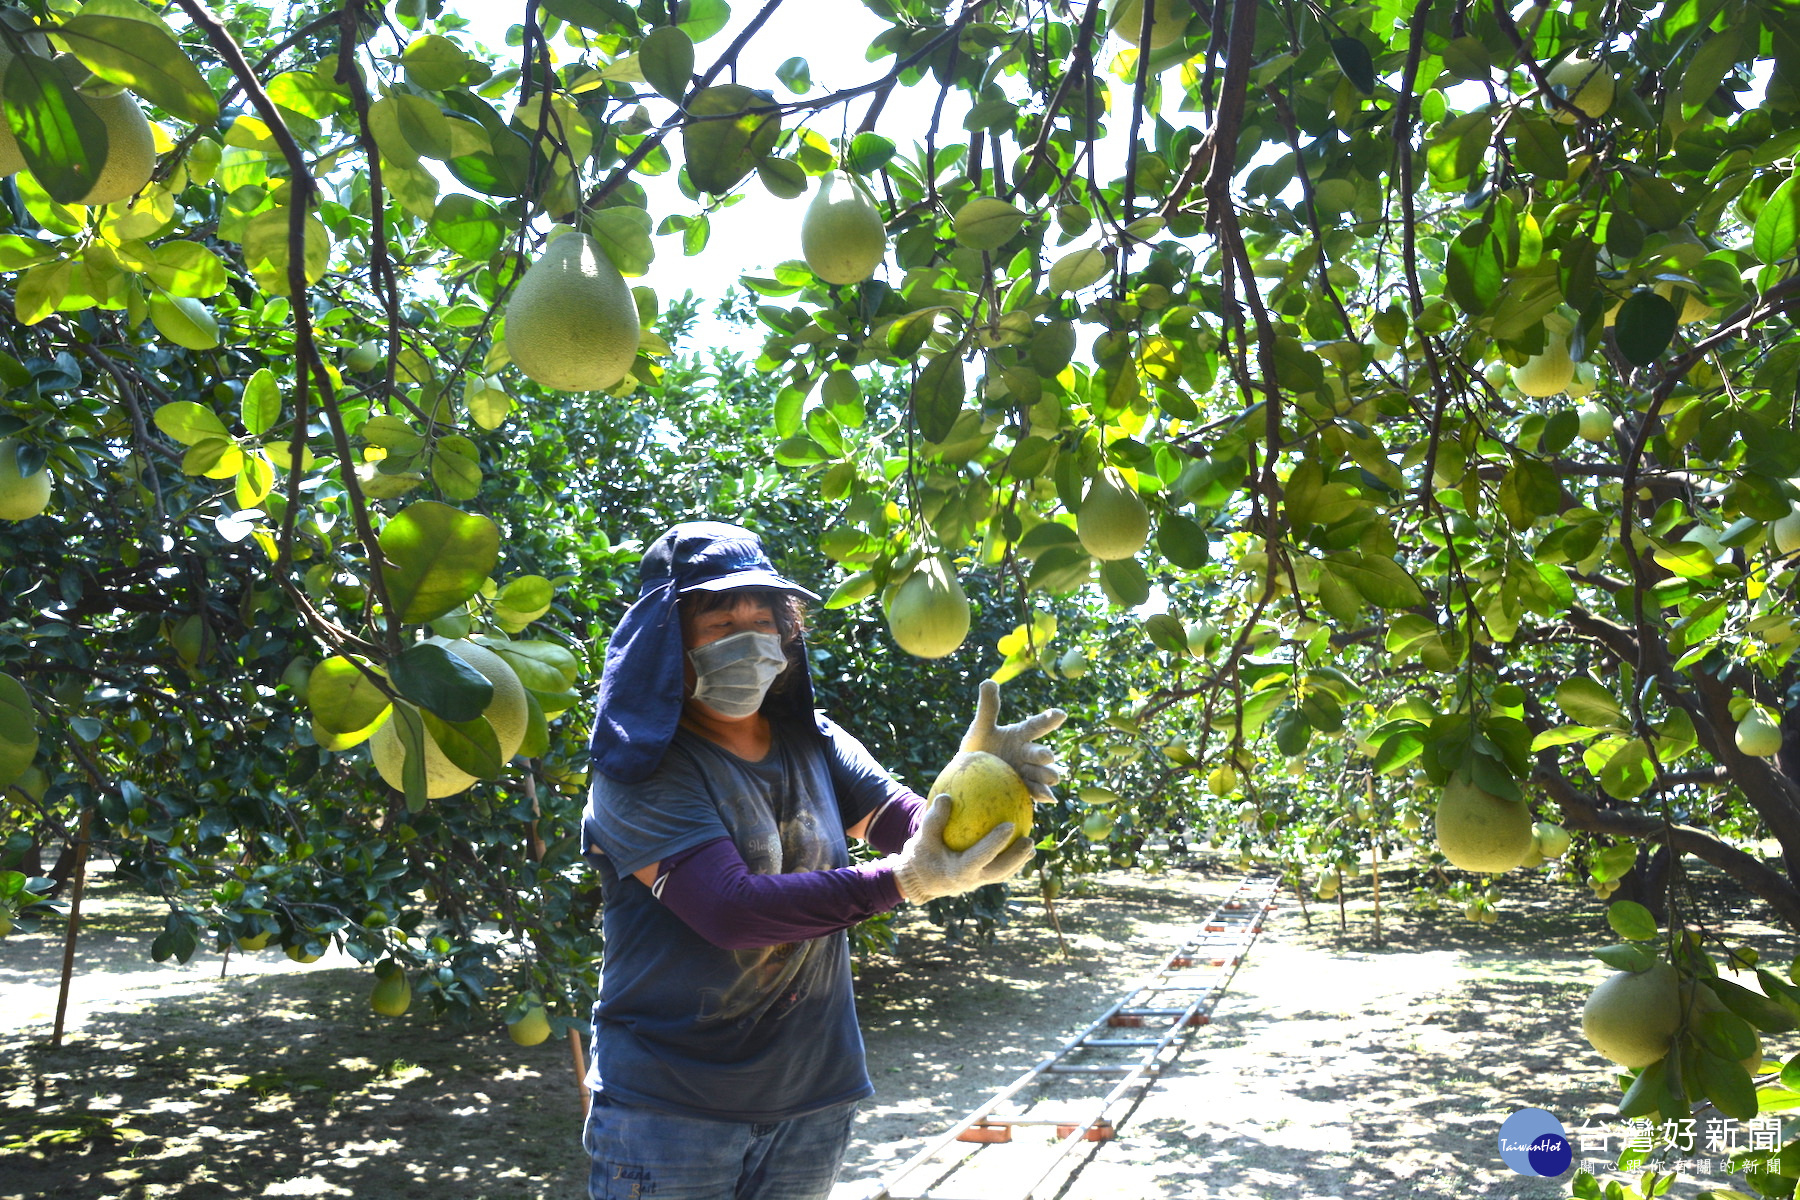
[720,898]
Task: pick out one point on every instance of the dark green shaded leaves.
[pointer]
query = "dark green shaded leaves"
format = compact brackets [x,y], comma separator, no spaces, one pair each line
[1354,60]
[62,139]
[1645,327]
[435,679]
[471,746]
[439,557]
[1183,542]
[937,396]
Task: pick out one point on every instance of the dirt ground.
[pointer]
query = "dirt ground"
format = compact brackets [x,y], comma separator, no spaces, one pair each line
[1333,1067]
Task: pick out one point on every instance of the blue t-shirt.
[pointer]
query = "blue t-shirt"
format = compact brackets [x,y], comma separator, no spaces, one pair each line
[756,1035]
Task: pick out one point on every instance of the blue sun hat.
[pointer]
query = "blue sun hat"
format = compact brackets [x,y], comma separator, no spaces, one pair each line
[642,686]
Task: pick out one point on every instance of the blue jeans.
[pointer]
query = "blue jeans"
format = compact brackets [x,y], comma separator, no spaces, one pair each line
[646,1154]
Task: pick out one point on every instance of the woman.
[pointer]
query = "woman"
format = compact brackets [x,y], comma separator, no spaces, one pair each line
[727,1062]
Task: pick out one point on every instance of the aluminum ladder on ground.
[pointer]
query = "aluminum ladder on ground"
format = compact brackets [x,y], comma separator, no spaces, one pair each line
[1165,1005]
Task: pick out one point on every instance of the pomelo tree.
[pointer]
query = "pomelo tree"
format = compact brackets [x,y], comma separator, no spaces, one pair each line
[1436,361]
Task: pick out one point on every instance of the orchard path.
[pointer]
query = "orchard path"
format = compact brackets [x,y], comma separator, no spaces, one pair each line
[1333,1067]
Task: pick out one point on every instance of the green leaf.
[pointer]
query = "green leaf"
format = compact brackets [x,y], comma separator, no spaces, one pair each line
[543,667]
[666,57]
[868,153]
[1777,233]
[409,726]
[1707,69]
[1184,542]
[937,396]
[1588,702]
[1060,569]
[1539,148]
[1645,1095]
[1726,1083]
[984,223]
[140,56]
[587,14]
[434,62]
[1078,269]
[701,19]
[796,75]
[1124,582]
[1631,920]
[783,177]
[1627,957]
[1645,326]
[1377,578]
[440,682]
[1355,61]
[190,423]
[1528,491]
[624,234]
[62,139]
[260,407]
[471,746]
[470,226]
[440,557]
[345,702]
[184,268]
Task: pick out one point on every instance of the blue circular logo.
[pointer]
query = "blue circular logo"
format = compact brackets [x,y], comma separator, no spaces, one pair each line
[1533,1142]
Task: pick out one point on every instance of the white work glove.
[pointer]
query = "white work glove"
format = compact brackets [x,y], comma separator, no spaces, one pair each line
[925,868]
[1017,743]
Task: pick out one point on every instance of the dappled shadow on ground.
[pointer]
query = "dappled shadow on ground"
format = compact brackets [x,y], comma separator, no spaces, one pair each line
[284,1086]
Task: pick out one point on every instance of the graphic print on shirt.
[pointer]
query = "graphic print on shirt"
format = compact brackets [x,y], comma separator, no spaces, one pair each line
[772,980]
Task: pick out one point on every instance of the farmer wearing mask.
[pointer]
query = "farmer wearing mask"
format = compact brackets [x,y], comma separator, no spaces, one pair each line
[727,1063]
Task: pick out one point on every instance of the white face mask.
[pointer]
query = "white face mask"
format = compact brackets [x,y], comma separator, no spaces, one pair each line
[733,674]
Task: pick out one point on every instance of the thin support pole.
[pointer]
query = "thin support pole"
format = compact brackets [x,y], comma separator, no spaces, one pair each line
[77,885]
[580,1063]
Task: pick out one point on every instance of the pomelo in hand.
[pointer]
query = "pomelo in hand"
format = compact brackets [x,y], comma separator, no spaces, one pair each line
[572,324]
[983,791]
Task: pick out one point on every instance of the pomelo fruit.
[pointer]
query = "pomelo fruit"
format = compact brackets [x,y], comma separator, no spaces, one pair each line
[1169,20]
[532,1025]
[507,712]
[1630,1017]
[1113,522]
[21,496]
[1596,424]
[928,614]
[842,235]
[1548,373]
[255,942]
[1787,532]
[130,150]
[364,356]
[1479,831]
[299,954]
[1587,83]
[983,791]
[1757,734]
[393,991]
[1551,839]
[572,324]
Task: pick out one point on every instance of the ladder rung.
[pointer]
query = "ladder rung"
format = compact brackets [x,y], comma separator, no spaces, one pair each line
[986,1132]
[1121,1041]
[1066,1069]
